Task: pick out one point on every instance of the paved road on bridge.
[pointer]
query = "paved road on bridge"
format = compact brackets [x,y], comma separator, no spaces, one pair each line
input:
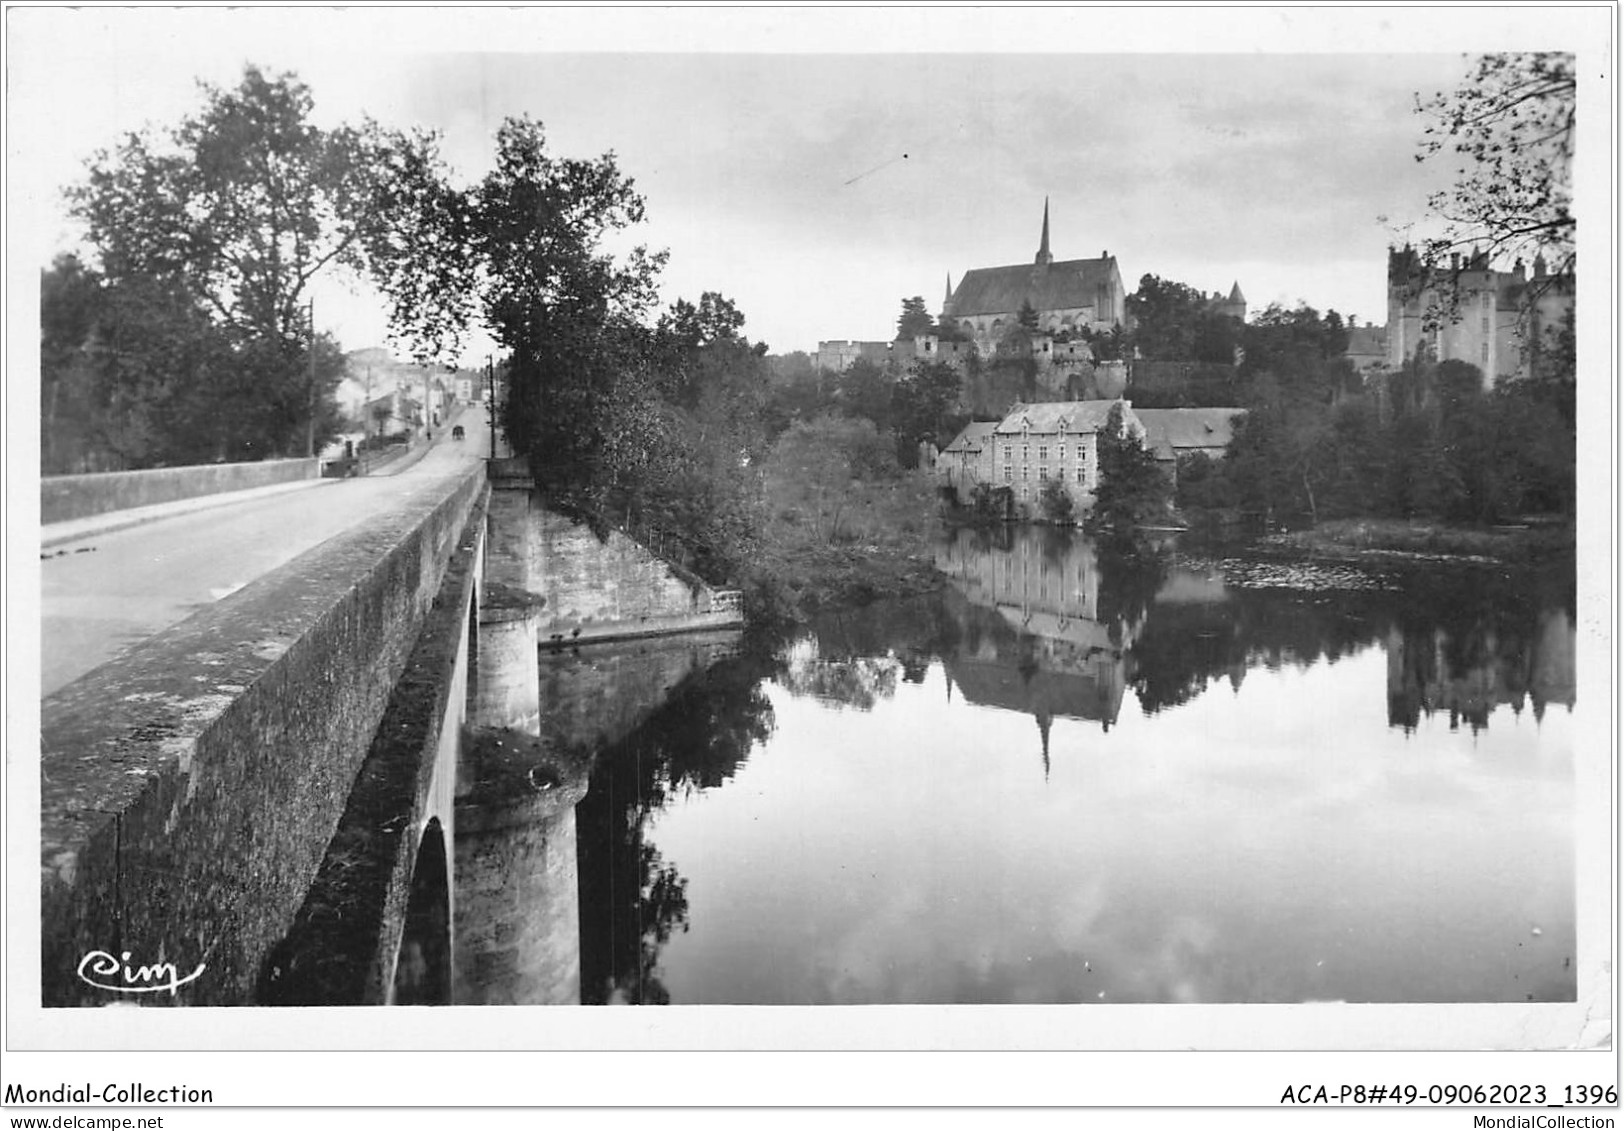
[104,593]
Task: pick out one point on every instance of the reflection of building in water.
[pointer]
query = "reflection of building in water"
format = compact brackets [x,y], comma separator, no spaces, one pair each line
[1043,652]
[1431,671]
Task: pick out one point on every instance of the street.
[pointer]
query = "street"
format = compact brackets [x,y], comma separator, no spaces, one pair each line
[102,594]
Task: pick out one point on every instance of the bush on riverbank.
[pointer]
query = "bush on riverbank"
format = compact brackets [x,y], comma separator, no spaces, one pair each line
[883,546]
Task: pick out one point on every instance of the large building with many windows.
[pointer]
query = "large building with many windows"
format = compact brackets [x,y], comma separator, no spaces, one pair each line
[1468,311]
[1033,446]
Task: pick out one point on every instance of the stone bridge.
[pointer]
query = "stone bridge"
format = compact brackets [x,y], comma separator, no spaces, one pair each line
[325,787]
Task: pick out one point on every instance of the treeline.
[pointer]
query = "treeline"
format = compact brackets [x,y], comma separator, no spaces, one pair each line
[919,403]
[135,373]
[186,334]
[1321,441]
[1426,442]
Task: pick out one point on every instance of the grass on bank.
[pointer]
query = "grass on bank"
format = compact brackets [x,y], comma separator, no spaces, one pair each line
[1528,539]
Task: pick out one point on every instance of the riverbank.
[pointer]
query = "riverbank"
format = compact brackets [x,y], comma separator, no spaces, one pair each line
[882,546]
[1374,539]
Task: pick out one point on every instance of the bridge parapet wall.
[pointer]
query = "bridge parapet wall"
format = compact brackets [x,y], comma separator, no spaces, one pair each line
[190,788]
[64,497]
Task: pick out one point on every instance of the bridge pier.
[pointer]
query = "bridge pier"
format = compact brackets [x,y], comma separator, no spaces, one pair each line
[517,922]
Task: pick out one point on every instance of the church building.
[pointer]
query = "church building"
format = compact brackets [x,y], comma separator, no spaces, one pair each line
[1069,295]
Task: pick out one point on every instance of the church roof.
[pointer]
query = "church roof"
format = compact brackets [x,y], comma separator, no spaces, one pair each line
[1065,285]
[1235,293]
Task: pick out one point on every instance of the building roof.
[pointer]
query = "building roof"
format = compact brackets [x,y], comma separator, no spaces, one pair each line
[1065,285]
[973,437]
[1235,293]
[1370,340]
[1170,431]
[1058,416]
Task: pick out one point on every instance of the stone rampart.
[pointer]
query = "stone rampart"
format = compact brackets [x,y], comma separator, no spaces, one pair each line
[190,788]
[64,497]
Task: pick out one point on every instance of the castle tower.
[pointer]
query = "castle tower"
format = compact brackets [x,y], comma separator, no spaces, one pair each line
[1044,256]
[1236,306]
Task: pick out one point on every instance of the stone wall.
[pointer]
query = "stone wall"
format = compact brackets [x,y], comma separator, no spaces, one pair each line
[596,696]
[63,497]
[605,589]
[190,789]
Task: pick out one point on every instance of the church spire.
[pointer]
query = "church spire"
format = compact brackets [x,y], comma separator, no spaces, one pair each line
[1044,258]
[947,298]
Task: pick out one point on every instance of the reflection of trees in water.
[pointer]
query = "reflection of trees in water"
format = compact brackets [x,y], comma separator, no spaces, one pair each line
[1459,639]
[853,657]
[1131,574]
[847,681]
[1182,648]
[1492,638]
[632,900]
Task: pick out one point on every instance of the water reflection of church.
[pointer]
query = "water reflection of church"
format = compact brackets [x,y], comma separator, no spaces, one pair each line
[1033,641]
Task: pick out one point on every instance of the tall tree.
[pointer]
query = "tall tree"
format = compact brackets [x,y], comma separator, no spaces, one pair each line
[1132,491]
[922,406]
[1177,322]
[581,401]
[1510,125]
[915,320]
[236,210]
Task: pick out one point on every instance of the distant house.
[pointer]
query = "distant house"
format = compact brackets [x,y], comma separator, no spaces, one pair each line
[392,412]
[1173,433]
[1037,444]
[967,461]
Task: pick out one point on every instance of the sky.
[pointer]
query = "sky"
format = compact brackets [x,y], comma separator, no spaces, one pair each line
[817,167]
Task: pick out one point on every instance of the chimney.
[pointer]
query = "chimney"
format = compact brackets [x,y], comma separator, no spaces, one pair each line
[1518,272]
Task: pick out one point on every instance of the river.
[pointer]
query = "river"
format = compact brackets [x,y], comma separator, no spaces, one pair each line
[1081,776]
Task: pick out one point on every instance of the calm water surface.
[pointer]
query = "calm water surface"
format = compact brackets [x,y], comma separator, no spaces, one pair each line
[1075,776]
